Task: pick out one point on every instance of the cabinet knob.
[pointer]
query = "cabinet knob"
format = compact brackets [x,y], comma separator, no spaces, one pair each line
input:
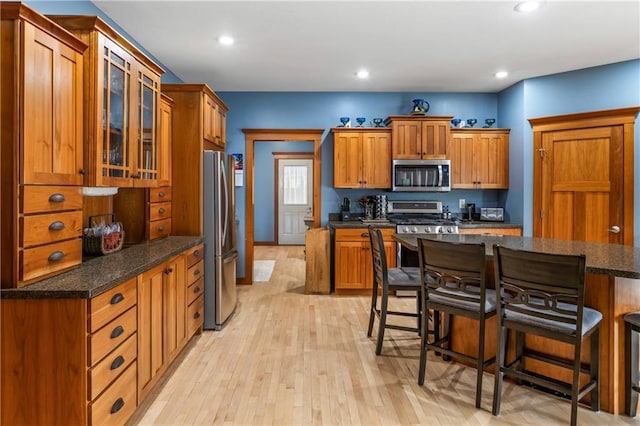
[365,235]
[56,198]
[56,226]
[117,331]
[168,271]
[196,289]
[55,256]
[196,253]
[82,172]
[161,194]
[161,210]
[196,272]
[196,315]
[117,362]
[161,228]
[117,405]
[117,298]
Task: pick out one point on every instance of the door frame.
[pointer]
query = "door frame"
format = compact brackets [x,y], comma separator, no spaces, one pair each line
[277,156]
[615,117]
[252,136]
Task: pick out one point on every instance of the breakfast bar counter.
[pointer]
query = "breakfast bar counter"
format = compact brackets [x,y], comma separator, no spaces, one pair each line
[612,287]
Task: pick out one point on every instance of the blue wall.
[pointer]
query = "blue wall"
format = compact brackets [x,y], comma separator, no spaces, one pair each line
[598,88]
[264,186]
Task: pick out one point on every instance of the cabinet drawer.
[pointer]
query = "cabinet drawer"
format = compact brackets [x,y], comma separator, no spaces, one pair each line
[51,258]
[110,304]
[195,290]
[160,194]
[195,315]
[159,228]
[41,199]
[195,254]
[107,370]
[49,228]
[361,234]
[118,402]
[111,335]
[159,211]
[194,272]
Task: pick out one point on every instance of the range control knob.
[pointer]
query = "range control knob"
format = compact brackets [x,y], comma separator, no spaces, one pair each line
[449,230]
[405,229]
[414,229]
[440,229]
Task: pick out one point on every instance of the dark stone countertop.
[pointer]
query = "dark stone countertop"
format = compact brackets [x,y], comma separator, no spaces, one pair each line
[469,225]
[100,274]
[608,259]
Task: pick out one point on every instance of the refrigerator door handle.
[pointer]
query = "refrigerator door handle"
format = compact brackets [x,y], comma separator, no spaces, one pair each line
[226,200]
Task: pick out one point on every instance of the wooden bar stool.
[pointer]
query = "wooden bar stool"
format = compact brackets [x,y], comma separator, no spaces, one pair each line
[543,294]
[632,373]
[453,283]
[390,279]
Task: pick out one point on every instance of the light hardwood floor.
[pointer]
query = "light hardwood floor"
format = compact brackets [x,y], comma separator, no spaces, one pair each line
[287,358]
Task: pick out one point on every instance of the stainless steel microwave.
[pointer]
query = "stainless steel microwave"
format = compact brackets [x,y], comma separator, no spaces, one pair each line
[421,175]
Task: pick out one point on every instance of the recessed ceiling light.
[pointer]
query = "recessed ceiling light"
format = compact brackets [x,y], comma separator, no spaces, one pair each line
[501,74]
[362,74]
[225,40]
[527,6]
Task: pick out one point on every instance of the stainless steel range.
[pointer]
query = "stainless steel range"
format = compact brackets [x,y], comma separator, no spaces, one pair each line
[418,217]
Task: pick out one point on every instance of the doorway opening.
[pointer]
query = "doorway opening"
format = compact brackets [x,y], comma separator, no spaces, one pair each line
[253,136]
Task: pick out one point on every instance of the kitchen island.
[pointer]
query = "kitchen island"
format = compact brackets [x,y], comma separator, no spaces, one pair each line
[612,287]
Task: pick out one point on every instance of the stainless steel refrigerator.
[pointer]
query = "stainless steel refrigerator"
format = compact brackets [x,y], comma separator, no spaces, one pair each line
[221,254]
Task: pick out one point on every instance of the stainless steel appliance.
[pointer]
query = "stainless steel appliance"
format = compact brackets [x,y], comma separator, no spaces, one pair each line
[421,175]
[221,254]
[417,217]
[495,214]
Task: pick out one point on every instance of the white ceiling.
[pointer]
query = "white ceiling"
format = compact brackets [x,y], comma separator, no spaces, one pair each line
[408,46]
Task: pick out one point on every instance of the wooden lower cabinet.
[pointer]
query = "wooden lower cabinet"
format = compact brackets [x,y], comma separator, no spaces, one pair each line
[92,361]
[353,264]
[492,230]
[161,320]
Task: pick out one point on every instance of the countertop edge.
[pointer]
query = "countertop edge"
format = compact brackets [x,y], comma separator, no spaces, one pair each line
[74,282]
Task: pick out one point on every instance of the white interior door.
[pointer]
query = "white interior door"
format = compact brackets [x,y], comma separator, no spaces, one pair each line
[295,199]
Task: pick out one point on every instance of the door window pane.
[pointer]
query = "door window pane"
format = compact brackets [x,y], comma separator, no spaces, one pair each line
[295,186]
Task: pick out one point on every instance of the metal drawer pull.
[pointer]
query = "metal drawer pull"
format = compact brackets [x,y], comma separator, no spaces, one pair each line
[196,253]
[56,226]
[117,298]
[161,194]
[56,198]
[117,362]
[161,210]
[117,332]
[196,315]
[55,256]
[196,272]
[161,228]
[196,289]
[117,405]
[364,235]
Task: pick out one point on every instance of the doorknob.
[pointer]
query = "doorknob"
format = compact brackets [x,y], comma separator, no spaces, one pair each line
[615,229]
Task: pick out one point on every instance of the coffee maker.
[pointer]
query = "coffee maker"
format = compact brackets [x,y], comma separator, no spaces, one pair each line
[345,209]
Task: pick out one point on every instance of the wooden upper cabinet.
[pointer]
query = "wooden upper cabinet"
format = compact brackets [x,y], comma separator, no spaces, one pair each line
[419,137]
[214,120]
[362,158]
[479,158]
[121,91]
[165,127]
[41,98]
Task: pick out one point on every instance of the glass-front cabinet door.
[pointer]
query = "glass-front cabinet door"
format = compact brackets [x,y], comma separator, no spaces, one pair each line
[116,167]
[148,89]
